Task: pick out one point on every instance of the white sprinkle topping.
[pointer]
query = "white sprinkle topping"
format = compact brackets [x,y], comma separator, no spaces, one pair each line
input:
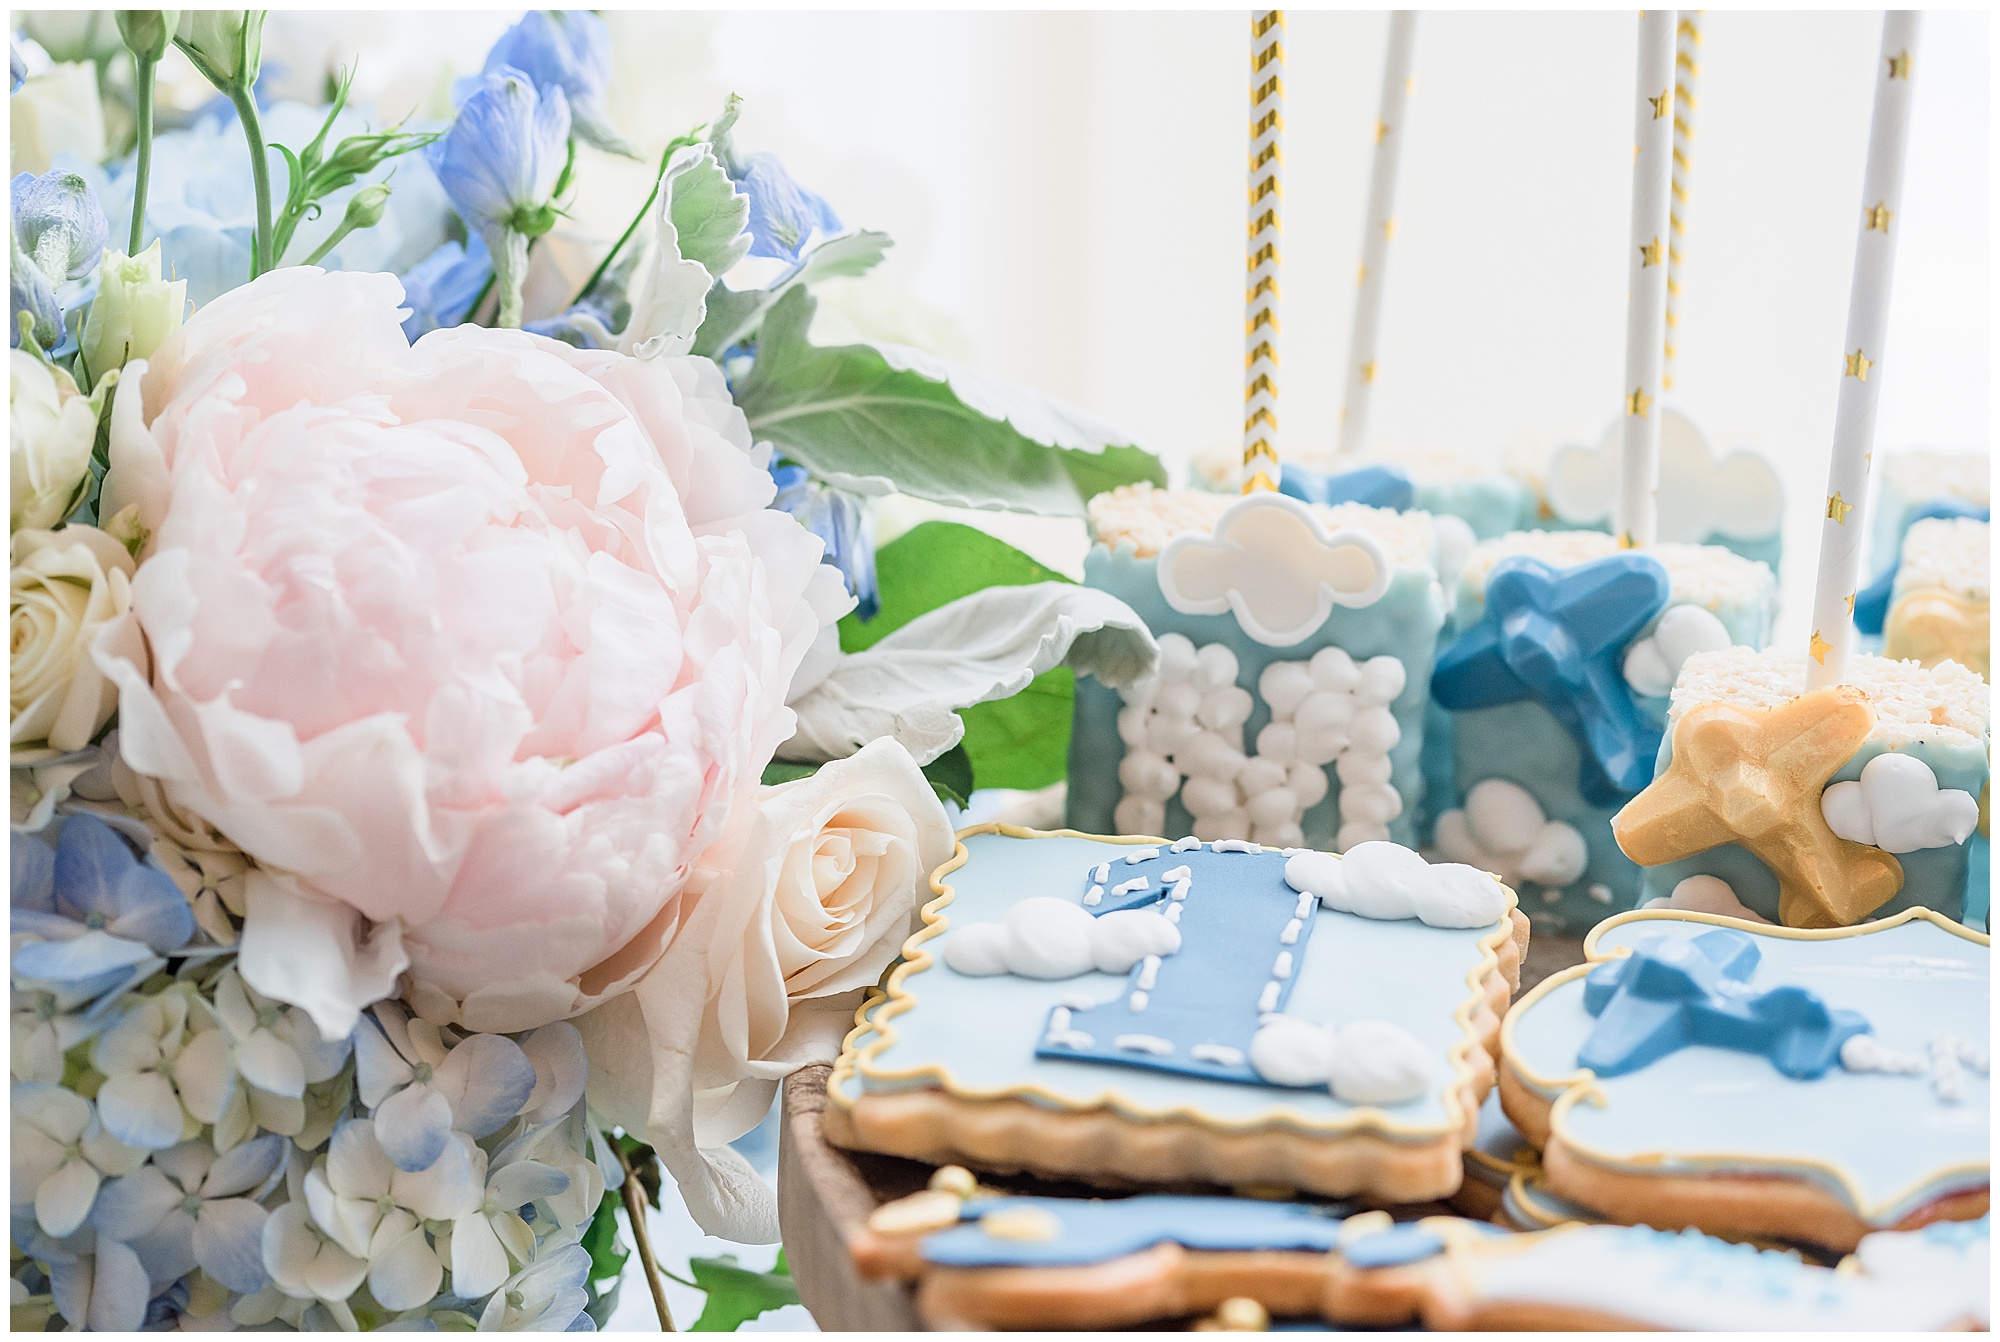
[1149,971]
[1138,1001]
[1177,874]
[1102,874]
[1173,913]
[1216,1053]
[1144,1043]
[1059,1019]
[1124,888]
[1290,936]
[1307,903]
[1268,999]
[1180,890]
[1282,967]
[1185,844]
[1095,897]
[1599,892]
[1138,855]
[1236,846]
[1078,1002]
[1069,1039]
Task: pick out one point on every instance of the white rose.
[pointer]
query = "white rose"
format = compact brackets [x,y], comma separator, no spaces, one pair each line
[810,900]
[51,430]
[55,111]
[68,588]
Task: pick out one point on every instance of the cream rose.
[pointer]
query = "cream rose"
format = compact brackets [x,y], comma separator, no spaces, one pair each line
[54,111]
[50,432]
[807,901]
[67,586]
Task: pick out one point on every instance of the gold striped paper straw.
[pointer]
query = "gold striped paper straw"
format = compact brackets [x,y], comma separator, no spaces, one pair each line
[1861,358]
[1377,231]
[1260,299]
[1687,69]
[1646,301]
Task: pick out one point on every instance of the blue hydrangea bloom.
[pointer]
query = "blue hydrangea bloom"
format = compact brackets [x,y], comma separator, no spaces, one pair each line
[834,516]
[505,151]
[439,290]
[100,912]
[561,49]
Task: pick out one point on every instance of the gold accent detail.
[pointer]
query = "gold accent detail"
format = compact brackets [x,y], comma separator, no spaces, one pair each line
[1260,483]
[1381,130]
[1626,541]
[1651,254]
[1267,186]
[1262,350]
[1270,121]
[1274,52]
[1264,317]
[1837,508]
[1267,285]
[1268,219]
[1262,382]
[1879,215]
[1274,19]
[1368,371]
[1819,648]
[1360,275]
[1638,403]
[1662,104]
[1858,365]
[1274,87]
[1899,65]
[1929,624]
[1850,603]
[1388,228]
[1268,252]
[1262,416]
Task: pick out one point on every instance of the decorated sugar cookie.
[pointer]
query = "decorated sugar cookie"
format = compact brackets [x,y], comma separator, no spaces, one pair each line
[1139,1012]
[1759,1081]
[1813,810]
[1583,1277]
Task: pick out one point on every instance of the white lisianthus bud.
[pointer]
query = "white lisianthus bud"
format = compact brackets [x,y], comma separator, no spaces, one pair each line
[134,311]
[72,34]
[148,32]
[56,111]
[226,45]
[65,587]
[52,429]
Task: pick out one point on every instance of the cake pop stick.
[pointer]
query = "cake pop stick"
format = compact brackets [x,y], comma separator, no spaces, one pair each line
[1646,302]
[1379,229]
[1260,299]
[1687,69]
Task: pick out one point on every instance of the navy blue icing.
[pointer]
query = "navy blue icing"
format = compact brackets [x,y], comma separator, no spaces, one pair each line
[1676,992]
[1208,992]
[1376,486]
[1871,607]
[1558,636]
[1097,1231]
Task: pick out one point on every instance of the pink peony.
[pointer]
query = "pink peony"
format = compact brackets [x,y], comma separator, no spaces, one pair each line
[480,638]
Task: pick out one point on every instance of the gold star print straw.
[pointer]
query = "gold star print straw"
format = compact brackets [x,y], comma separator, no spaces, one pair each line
[1260,300]
[1832,639]
[1378,230]
[1687,69]
[1646,302]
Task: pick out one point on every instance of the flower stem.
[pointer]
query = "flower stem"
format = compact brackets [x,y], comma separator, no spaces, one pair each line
[642,1239]
[260,174]
[333,240]
[143,174]
[679,141]
[510,269]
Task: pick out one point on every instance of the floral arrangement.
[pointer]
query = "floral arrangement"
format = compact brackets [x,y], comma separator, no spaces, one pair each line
[463,755]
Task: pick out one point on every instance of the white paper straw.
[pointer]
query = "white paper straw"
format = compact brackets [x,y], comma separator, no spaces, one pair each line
[1862,355]
[1378,231]
[1646,301]
[1260,299]
[1687,69]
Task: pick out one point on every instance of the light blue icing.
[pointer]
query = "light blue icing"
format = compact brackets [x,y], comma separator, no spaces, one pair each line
[1498,1138]
[1207,992]
[1403,624]
[1524,744]
[1978,882]
[1099,1230]
[1492,505]
[1933,878]
[982,1032]
[1895,1143]
[1529,1205]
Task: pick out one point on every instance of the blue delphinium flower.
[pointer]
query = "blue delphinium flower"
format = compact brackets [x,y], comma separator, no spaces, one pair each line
[834,516]
[28,290]
[440,289]
[562,49]
[100,912]
[58,222]
[783,214]
[501,163]
[17,66]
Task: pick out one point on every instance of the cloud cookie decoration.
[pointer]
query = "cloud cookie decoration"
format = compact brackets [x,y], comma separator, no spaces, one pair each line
[1273,564]
[1897,806]
[1737,496]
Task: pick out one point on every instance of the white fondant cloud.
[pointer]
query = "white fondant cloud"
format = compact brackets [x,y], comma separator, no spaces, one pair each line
[1502,830]
[1384,880]
[1942,1267]
[1707,894]
[1275,566]
[1738,496]
[1050,938]
[1653,663]
[1898,807]
[1367,1062]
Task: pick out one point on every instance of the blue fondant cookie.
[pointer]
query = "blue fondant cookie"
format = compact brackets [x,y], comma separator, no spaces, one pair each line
[1761,1081]
[1141,1012]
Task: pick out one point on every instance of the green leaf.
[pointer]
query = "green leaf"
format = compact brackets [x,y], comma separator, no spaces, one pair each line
[734,314]
[737,1295]
[711,217]
[601,1241]
[950,775]
[1022,742]
[786,771]
[877,419]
